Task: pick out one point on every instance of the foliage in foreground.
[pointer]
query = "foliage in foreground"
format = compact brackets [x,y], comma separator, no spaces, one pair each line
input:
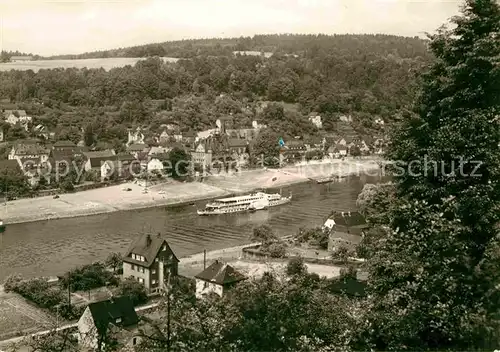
[434,274]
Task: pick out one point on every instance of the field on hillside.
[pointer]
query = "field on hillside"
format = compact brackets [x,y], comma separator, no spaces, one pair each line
[106,64]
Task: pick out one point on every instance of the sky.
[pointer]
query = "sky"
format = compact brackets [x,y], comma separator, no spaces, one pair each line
[70,27]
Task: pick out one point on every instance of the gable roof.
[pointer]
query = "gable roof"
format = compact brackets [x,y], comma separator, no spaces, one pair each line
[29,148]
[221,274]
[99,154]
[160,156]
[348,219]
[99,161]
[124,157]
[137,147]
[148,248]
[118,311]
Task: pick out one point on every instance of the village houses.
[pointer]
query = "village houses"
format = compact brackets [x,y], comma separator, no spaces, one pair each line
[346,227]
[13,117]
[150,260]
[218,278]
[95,159]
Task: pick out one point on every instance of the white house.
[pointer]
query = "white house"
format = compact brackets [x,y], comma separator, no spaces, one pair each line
[158,162]
[135,136]
[30,150]
[96,159]
[217,278]
[344,118]
[316,121]
[17,116]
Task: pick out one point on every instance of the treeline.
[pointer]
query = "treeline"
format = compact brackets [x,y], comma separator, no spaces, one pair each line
[366,77]
[6,55]
[308,45]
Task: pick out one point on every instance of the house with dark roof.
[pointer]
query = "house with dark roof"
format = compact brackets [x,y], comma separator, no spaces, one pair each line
[345,226]
[202,153]
[103,319]
[29,149]
[158,162]
[120,166]
[138,148]
[217,278]
[95,159]
[150,260]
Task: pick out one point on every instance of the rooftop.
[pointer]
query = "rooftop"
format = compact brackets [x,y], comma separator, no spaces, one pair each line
[221,274]
[147,246]
[118,311]
[100,154]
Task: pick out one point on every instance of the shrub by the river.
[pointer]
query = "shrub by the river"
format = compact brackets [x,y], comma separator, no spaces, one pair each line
[88,277]
[38,290]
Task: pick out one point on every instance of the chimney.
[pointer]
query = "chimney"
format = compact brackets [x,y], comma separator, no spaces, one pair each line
[148,240]
[159,235]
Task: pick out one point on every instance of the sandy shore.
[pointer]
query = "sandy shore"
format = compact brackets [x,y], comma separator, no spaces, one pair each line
[114,198]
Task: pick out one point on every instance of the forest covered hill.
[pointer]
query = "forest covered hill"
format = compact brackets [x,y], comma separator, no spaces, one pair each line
[369,77]
[307,45]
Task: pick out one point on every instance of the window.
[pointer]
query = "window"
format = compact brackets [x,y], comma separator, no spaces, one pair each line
[153,282]
[134,341]
[165,247]
[156,260]
[132,267]
[119,320]
[153,271]
[141,280]
[205,285]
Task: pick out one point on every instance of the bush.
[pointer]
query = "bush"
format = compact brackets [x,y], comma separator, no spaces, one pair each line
[68,312]
[296,266]
[134,290]
[88,277]
[11,284]
[39,291]
[277,250]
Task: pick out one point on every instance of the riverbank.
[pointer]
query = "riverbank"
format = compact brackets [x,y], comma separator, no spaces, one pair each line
[114,198]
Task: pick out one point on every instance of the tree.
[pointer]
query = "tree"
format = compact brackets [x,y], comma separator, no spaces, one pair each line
[180,162]
[114,261]
[89,136]
[54,341]
[263,234]
[296,266]
[374,202]
[432,283]
[133,289]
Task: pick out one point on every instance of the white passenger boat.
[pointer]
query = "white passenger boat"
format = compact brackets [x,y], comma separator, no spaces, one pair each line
[252,202]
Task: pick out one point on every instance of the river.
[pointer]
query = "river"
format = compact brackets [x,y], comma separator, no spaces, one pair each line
[52,247]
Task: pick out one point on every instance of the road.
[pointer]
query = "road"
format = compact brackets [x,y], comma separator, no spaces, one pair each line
[16,340]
